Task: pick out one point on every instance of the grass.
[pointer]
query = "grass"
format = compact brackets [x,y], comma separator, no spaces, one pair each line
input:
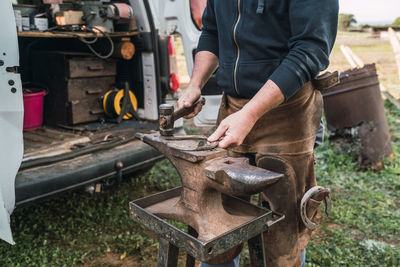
[363,229]
[74,229]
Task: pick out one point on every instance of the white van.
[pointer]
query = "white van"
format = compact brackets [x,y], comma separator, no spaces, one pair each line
[78,144]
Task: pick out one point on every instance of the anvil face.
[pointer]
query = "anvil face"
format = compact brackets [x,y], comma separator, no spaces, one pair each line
[206,175]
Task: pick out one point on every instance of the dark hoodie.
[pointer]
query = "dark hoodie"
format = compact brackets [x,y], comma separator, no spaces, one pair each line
[287,41]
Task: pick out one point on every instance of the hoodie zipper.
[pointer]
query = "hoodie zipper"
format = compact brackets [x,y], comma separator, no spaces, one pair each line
[238,49]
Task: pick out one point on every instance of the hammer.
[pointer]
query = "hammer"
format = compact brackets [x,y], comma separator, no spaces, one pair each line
[168,116]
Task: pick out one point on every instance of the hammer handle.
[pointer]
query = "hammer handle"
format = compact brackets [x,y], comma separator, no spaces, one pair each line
[186,111]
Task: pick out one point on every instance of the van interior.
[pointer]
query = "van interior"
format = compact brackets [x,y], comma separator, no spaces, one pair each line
[100,77]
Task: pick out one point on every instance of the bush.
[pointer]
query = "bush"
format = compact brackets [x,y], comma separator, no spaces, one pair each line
[345,21]
[396,22]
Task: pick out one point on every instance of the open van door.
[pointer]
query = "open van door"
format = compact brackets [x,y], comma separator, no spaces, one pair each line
[11,116]
[176,17]
[184,18]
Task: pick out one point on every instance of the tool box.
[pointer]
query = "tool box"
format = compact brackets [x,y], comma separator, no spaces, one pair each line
[76,83]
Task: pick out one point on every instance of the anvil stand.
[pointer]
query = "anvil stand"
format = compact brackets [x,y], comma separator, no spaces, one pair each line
[205,203]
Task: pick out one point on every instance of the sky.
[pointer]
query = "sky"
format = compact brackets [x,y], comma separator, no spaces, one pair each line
[371,11]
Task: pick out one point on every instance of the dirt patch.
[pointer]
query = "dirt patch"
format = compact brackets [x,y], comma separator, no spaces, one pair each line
[114,260]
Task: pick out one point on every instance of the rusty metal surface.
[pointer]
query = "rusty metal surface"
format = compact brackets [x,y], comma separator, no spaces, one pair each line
[167,254]
[195,143]
[357,101]
[258,220]
[206,175]
[326,81]
[236,176]
[255,249]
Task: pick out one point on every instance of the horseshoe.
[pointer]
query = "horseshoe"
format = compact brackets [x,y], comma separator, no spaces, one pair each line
[303,206]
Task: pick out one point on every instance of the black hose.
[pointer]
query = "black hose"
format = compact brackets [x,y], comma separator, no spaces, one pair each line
[108,38]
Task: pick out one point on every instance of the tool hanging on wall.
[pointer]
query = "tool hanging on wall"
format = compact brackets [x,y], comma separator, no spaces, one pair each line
[96,14]
[122,11]
[103,16]
[124,18]
[124,49]
[117,106]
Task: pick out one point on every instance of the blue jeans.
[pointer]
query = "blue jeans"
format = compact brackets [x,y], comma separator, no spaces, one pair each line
[235,262]
[303,258]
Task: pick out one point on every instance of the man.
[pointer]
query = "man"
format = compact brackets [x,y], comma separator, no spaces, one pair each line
[267,52]
[197,9]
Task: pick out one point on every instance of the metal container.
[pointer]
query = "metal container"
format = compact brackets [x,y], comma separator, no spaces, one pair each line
[26,10]
[357,101]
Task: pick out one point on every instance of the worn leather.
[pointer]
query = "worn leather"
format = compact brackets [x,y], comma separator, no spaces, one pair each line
[326,80]
[282,141]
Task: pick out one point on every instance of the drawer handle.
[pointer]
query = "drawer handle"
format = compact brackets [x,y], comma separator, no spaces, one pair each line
[93,91]
[96,112]
[95,68]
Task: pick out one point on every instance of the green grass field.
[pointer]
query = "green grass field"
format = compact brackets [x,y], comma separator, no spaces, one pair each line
[363,229]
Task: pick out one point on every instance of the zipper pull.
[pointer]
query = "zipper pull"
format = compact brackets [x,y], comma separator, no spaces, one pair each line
[260,7]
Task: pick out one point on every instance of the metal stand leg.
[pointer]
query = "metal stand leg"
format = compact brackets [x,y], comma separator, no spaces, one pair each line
[190,261]
[256,250]
[167,254]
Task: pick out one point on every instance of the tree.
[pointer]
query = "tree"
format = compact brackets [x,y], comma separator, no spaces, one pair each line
[345,21]
[396,22]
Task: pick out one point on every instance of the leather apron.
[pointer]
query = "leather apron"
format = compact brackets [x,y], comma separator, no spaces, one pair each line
[282,141]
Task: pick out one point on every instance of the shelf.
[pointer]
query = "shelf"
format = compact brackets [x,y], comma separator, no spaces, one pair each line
[37,34]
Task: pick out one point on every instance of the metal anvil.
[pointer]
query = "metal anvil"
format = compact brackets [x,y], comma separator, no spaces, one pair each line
[207,172]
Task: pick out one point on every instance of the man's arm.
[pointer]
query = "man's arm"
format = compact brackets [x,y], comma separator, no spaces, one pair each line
[206,60]
[197,8]
[313,25]
[313,28]
[204,66]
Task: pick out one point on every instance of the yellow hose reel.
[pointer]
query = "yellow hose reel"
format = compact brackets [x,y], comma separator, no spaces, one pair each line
[113,104]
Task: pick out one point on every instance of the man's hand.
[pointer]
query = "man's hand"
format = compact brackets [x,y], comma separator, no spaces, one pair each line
[233,129]
[204,66]
[190,95]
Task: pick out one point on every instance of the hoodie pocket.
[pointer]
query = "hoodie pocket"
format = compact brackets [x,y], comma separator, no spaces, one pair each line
[225,77]
[251,76]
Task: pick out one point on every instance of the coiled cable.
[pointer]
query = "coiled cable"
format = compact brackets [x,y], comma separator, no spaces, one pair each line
[72,30]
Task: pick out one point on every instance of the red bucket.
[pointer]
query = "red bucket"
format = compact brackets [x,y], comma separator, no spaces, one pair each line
[33,108]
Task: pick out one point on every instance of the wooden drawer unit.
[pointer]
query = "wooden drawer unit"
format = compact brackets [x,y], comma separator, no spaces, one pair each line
[85,110]
[79,67]
[85,98]
[76,84]
[88,88]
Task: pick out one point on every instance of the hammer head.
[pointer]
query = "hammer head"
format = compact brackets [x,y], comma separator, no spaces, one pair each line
[168,116]
[166,119]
